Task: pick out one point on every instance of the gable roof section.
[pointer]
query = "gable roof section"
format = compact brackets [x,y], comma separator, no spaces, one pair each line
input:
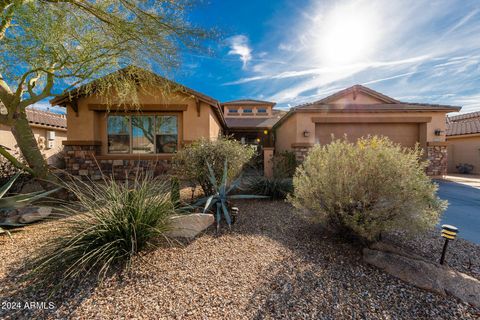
[74,94]
[355,90]
[247,102]
[389,105]
[45,118]
[463,124]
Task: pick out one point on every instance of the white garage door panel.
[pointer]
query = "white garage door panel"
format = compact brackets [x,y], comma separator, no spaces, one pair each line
[406,134]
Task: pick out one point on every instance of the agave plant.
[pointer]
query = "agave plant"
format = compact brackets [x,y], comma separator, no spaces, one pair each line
[219,202]
[17,201]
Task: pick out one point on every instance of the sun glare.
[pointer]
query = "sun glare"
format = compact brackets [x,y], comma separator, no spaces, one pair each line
[348,35]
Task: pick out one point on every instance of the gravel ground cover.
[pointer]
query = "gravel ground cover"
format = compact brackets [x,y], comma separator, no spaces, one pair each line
[274,265]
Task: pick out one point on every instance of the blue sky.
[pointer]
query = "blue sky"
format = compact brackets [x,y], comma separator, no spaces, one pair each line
[293,52]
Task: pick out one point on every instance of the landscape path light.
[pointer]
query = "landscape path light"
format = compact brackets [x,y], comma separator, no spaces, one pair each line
[449,233]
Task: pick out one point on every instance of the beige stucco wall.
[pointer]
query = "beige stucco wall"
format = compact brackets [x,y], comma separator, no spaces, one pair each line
[214,126]
[291,131]
[359,99]
[465,149]
[90,125]
[8,140]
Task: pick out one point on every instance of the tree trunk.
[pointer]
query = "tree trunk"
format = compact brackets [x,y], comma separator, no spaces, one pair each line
[28,146]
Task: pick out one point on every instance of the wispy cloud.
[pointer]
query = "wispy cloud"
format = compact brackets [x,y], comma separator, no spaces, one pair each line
[439,64]
[239,45]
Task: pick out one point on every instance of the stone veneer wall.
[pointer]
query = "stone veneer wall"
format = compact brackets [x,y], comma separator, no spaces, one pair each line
[301,151]
[436,155]
[81,161]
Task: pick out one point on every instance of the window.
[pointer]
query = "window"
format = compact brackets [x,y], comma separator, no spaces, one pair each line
[142,134]
[262,111]
[232,110]
[166,135]
[118,128]
[147,134]
[247,110]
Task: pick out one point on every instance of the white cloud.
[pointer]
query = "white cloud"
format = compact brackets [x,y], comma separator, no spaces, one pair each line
[433,56]
[239,45]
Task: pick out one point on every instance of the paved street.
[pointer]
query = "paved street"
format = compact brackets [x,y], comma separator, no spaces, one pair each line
[463,210]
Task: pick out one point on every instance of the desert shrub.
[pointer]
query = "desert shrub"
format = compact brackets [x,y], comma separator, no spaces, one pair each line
[109,224]
[365,188]
[191,162]
[284,164]
[274,187]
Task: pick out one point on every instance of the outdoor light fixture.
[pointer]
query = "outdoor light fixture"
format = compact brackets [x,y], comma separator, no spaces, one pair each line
[306,133]
[438,132]
[265,132]
[449,233]
[258,140]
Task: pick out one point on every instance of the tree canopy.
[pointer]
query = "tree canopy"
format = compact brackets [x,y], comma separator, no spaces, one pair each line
[50,46]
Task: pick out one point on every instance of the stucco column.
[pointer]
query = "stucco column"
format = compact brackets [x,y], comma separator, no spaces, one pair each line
[268,162]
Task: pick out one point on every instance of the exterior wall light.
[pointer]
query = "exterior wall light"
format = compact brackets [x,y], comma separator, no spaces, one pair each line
[265,132]
[438,132]
[449,233]
[306,133]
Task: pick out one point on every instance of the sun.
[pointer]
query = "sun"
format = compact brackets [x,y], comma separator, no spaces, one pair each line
[348,34]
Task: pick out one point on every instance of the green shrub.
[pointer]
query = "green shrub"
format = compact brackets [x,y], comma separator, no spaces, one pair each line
[367,188]
[284,164]
[274,187]
[191,162]
[109,224]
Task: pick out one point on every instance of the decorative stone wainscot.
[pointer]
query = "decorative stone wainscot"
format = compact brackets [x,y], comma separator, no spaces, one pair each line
[301,150]
[437,157]
[83,159]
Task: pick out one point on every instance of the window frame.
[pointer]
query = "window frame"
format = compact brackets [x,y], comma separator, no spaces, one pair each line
[151,114]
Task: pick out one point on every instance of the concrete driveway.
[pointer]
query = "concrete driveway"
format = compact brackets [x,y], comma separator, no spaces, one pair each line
[463,210]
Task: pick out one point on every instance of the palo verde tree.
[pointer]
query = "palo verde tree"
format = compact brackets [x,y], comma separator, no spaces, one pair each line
[48,47]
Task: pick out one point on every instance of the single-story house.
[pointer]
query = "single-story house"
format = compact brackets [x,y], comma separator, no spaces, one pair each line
[118,138]
[359,111]
[463,141]
[49,129]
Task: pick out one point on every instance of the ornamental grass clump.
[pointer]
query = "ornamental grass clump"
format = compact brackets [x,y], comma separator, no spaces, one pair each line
[366,188]
[191,162]
[109,224]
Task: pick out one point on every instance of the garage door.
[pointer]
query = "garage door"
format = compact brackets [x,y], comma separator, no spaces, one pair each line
[406,134]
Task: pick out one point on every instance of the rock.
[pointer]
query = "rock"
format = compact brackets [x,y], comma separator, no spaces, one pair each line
[32,214]
[188,226]
[31,186]
[426,275]
[26,215]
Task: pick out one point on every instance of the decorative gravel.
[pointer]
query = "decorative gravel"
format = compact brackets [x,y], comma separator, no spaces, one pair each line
[273,265]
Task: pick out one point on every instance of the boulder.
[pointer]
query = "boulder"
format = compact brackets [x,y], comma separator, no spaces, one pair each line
[26,215]
[425,275]
[189,225]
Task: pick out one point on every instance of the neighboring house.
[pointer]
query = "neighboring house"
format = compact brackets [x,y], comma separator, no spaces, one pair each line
[49,129]
[251,121]
[359,111]
[463,141]
[119,138]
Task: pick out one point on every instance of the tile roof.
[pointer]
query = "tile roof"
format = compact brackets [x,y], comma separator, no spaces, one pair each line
[45,118]
[247,101]
[468,123]
[376,107]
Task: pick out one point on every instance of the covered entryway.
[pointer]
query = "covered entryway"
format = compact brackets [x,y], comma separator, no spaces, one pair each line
[406,134]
